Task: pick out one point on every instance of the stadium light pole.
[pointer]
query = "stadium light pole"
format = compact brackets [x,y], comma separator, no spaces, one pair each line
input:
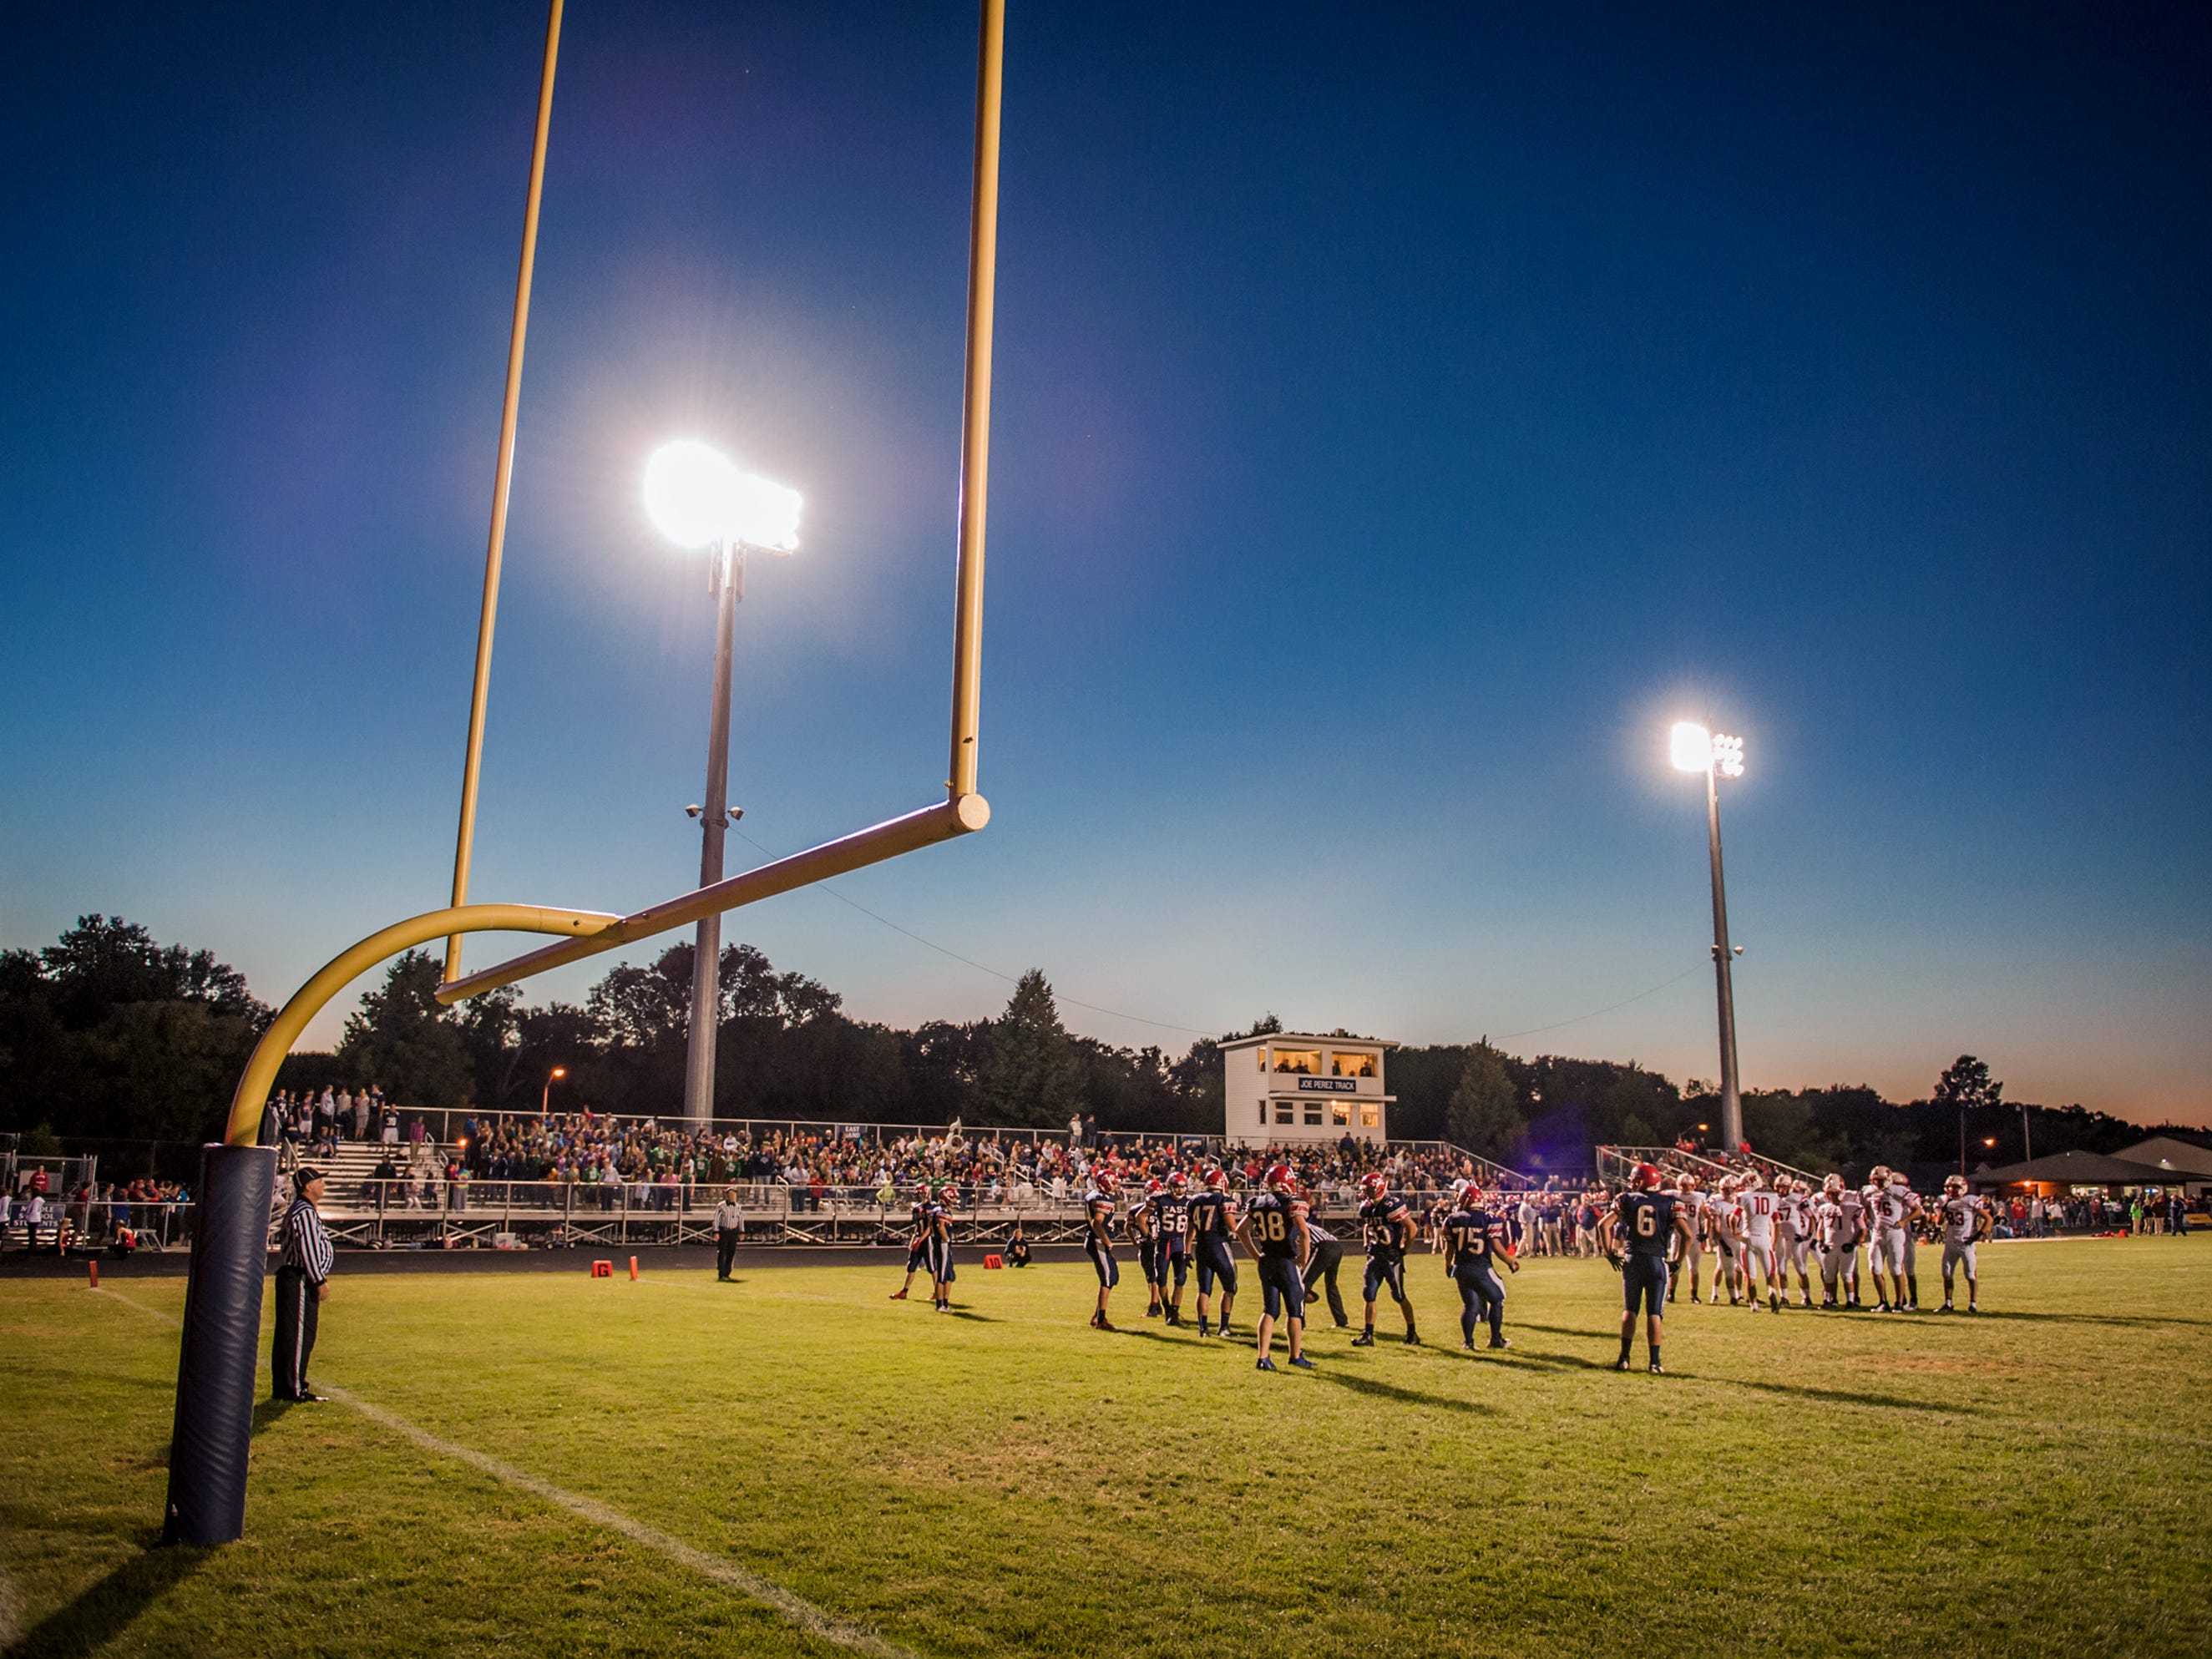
[697,498]
[1695,748]
[545,1096]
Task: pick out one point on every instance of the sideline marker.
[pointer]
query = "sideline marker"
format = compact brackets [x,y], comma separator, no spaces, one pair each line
[994,1260]
[632,1270]
[602,1270]
[94,1265]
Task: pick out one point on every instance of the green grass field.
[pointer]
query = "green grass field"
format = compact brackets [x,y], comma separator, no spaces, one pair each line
[1007,1480]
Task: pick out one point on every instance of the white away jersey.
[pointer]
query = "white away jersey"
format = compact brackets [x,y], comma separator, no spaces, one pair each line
[1757,1210]
[1962,1217]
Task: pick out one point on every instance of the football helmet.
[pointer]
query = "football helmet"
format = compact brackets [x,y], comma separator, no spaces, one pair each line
[1177,1182]
[1375,1185]
[1647,1177]
[1279,1179]
[1954,1184]
[1216,1181]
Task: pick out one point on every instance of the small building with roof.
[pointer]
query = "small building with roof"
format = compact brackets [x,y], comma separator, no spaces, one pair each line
[1292,1086]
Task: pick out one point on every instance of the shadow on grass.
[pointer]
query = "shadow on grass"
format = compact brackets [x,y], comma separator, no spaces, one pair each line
[1838,1396]
[1154,1336]
[266,1413]
[1376,1389]
[980,1319]
[104,1610]
[2086,1319]
[25,1517]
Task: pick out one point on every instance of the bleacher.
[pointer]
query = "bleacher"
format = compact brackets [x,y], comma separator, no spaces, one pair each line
[1615,1164]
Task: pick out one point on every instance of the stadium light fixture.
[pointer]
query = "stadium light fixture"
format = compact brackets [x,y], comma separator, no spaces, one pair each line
[1694,747]
[697,497]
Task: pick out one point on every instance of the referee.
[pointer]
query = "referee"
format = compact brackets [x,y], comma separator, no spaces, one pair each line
[1328,1254]
[729,1230]
[303,1280]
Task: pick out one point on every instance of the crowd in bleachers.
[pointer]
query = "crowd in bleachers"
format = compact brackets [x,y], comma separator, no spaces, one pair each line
[820,1167]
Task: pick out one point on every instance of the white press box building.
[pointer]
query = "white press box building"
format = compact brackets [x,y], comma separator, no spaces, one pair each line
[1288,1087]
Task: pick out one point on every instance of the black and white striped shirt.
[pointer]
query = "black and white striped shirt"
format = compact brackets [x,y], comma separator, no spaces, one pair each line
[306,1246]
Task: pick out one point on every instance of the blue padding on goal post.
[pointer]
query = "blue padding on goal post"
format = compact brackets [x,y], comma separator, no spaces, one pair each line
[222,1338]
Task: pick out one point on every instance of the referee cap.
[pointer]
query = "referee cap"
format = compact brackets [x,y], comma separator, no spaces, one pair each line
[303,1177]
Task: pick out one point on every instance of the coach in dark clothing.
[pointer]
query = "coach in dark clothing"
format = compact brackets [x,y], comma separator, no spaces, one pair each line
[1326,1253]
[303,1282]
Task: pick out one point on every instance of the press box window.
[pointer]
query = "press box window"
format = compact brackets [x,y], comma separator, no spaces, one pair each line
[1339,1113]
[1282,1111]
[1371,1116]
[1351,1065]
[1313,1112]
[1306,1062]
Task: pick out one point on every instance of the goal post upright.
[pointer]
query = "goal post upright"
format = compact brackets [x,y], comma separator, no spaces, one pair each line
[216,1361]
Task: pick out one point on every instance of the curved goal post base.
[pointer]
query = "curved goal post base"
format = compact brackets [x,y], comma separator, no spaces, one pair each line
[214,1426]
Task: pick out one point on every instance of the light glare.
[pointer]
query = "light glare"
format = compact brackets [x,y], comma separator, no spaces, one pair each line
[697,498]
[1693,747]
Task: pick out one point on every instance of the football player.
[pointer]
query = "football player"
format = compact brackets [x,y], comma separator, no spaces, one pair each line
[1758,1209]
[1794,1228]
[1172,1209]
[1638,1233]
[1385,1228]
[1213,1224]
[1897,1207]
[1966,1224]
[1473,1238]
[1842,1215]
[1098,1240]
[1725,1233]
[1273,1229]
[1141,1223]
[1688,1199]
[939,1216]
[917,1249]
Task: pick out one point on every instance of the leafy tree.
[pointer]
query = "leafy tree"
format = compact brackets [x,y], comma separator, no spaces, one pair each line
[1966,1084]
[105,961]
[1031,1076]
[1486,1107]
[401,1040]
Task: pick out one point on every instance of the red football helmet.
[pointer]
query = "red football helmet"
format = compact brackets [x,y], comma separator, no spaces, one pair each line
[1152,1186]
[1470,1192]
[1216,1181]
[1647,1177]
[1279,1179]
[1375,1185]
[1104,1176]
[1177,1182]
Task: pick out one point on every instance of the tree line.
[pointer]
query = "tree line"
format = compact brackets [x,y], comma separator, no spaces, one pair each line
[109,1035]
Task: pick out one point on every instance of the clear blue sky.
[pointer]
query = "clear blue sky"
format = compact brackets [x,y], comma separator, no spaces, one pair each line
[1401,418]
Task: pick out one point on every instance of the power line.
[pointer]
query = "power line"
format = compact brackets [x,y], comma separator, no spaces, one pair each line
[1507,1036]
[1096,1008]
[1170,1025]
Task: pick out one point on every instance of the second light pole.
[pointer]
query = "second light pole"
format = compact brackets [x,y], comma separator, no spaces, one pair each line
[697,499]
[1697,749]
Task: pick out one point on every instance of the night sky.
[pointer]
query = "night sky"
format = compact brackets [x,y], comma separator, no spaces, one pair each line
[1402,415]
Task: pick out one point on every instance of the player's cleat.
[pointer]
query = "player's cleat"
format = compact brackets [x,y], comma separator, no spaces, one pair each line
[1302,1362]
[1151,1313]
[1773,1303]
[1105,1323]
[1365,1340]
[1264,1364]
[1912,1307]
[1695,1298]
[1499,1342]
[1622,1364]
[1204,1329]
[1973,1307]
[1946,1308]
[1412,1338]
[1657,1369]
[898,1296]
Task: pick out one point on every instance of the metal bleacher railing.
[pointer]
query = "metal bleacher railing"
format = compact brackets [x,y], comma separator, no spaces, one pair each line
[434,1203]
[1616,1164]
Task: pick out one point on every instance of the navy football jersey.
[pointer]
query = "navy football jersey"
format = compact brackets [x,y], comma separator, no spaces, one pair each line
[1209,1215]
[1174,1213]
[1386,1226]
[921,1216]
[1469,1234]
[1273,1227]
[1645,1222]
[932,1217]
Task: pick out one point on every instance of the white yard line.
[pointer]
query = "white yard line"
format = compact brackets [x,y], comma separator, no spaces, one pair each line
[795,1609]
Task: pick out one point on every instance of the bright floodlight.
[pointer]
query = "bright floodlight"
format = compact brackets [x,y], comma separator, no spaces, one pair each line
[1692,746]
[697,498]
